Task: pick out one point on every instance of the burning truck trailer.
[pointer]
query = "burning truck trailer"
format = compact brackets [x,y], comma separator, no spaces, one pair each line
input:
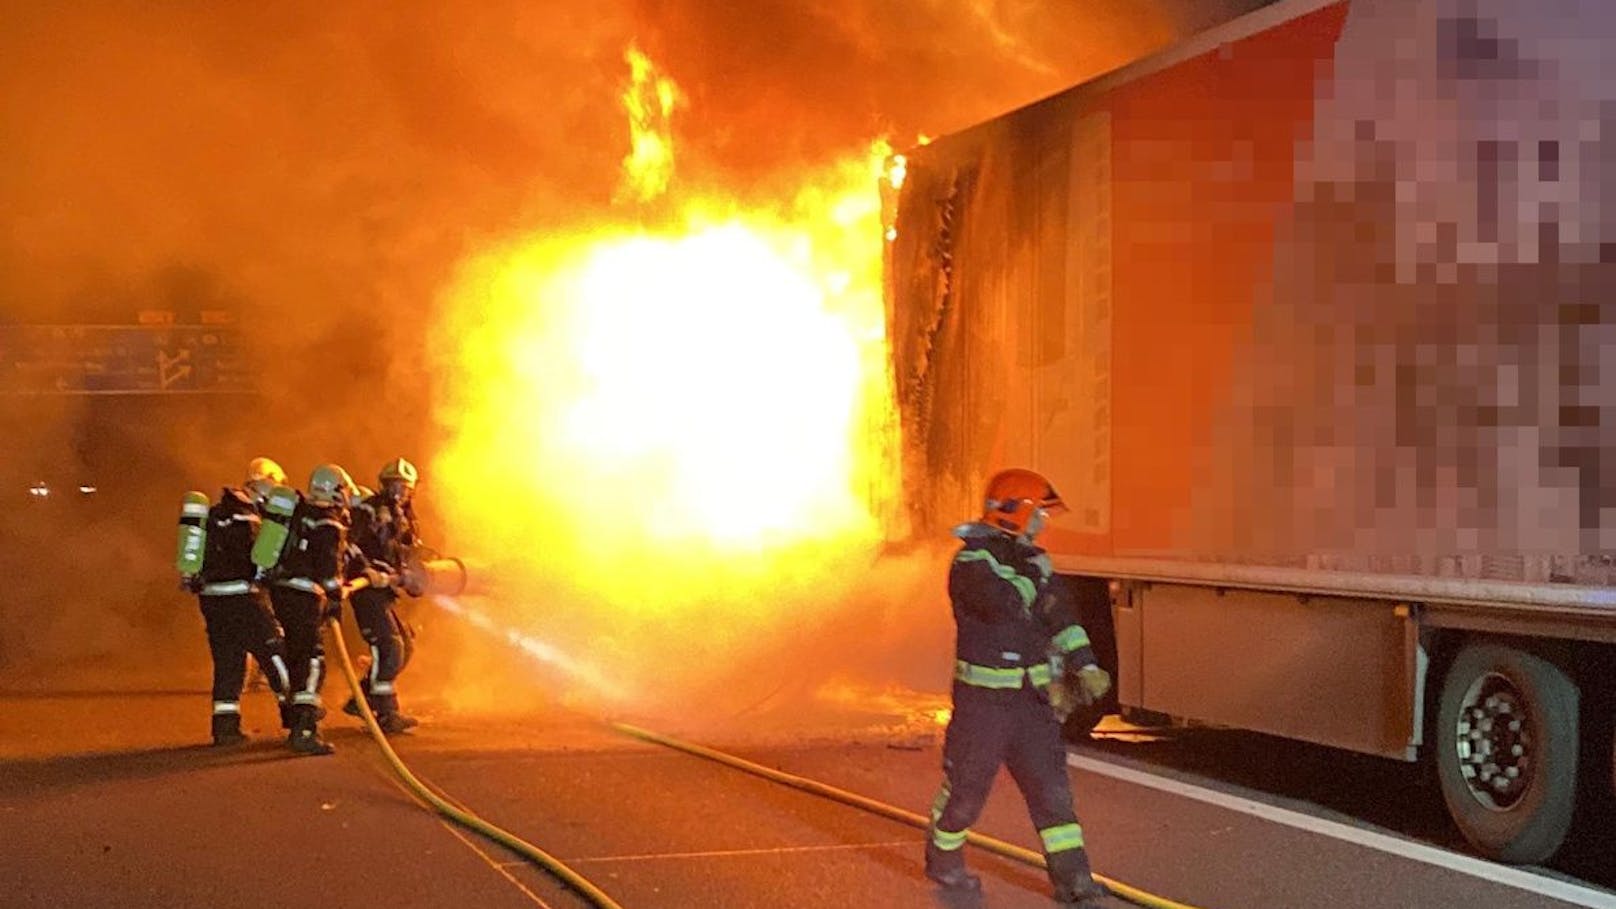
[1305,318]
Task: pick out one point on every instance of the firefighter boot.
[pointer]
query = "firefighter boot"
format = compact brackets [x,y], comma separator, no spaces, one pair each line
[385,706]
[351,708]
[1075,887]
[395,722]
[305,735]
[227,729]
[287,712]
[947,870]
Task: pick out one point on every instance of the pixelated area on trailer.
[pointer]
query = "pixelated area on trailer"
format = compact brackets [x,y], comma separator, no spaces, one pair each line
[1331,293]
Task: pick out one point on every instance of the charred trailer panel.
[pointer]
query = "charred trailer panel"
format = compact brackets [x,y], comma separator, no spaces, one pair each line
[1306,319]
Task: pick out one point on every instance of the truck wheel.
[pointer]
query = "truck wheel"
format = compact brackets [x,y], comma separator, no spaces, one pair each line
[1507,748]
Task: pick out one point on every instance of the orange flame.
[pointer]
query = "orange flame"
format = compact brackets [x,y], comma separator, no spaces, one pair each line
[650,99]
[677,432]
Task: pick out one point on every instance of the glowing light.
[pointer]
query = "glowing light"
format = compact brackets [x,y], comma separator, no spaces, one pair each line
[650,99]
[915,710]
[676,429]
[709,382]
[897,170]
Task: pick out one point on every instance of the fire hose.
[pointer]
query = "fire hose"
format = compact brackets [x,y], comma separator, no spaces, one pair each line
[891,812]
[464,818]
[587,889]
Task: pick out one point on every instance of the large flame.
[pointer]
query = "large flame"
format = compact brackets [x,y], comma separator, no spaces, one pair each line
[650,99]
[678,432]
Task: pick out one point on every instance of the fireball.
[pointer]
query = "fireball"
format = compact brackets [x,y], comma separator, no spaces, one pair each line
[679,427]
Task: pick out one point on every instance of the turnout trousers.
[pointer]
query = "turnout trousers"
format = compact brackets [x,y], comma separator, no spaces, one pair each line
[1015,728]
[241,624]
[299,614]
[391,645]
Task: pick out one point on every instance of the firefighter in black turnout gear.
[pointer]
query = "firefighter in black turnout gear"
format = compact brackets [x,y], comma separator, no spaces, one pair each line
[1016,630]
[307,588]
[384,534]
[234,607]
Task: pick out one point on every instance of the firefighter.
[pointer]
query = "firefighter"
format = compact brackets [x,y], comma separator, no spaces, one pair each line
[1016,630]
[307,589]
[384,533]
[235,609]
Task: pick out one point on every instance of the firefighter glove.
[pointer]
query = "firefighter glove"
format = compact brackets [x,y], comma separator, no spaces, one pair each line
[1042,565]
[413,582]
[1092,684]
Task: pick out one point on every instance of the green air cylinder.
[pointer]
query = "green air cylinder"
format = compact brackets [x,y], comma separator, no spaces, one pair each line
[276,528]
[193,533]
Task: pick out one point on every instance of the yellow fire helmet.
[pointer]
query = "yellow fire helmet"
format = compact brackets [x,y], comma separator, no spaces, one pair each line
[399,470]
[263,475]
[359,494]
[329,485]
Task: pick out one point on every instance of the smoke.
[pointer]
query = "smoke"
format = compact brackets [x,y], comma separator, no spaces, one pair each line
[320,172]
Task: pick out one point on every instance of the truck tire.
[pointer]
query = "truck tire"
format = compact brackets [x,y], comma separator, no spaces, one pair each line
[1507,751]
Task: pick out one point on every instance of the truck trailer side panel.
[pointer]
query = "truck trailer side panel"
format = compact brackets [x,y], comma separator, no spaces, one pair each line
[1328,290]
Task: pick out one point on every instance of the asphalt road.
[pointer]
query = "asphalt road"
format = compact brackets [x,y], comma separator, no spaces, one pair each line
[104,803]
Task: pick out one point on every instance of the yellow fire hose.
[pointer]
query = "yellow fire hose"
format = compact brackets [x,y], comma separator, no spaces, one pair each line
[600,898]
[464,818]
[1000,847]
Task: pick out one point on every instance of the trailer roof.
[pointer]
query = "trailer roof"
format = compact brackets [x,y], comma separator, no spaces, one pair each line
[1251,23]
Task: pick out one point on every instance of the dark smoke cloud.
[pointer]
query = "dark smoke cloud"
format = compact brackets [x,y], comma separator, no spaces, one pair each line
[318,169]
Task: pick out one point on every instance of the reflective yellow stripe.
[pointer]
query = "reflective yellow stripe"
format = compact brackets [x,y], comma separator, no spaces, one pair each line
[940,802]
[986,676]
[303,584]
[1024,586]
[948,842]
[996,677]
[226,588]
[1063,838]
[1070,638]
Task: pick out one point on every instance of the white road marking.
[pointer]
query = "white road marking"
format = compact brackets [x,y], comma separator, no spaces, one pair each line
[716,853]
[1506,875]
[472,845]
[497,866]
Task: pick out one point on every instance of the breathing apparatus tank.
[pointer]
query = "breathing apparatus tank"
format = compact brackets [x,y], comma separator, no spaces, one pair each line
[276,528]
[193,533]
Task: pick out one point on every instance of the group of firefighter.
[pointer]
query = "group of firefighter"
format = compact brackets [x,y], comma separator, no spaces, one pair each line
[270,565]
[275,564]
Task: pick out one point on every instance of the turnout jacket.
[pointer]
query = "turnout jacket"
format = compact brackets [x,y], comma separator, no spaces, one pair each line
[227,555]
[1011,613]
[384,531]
[313,560]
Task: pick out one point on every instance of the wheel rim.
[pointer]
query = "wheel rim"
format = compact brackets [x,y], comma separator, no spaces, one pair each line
[1494,745]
